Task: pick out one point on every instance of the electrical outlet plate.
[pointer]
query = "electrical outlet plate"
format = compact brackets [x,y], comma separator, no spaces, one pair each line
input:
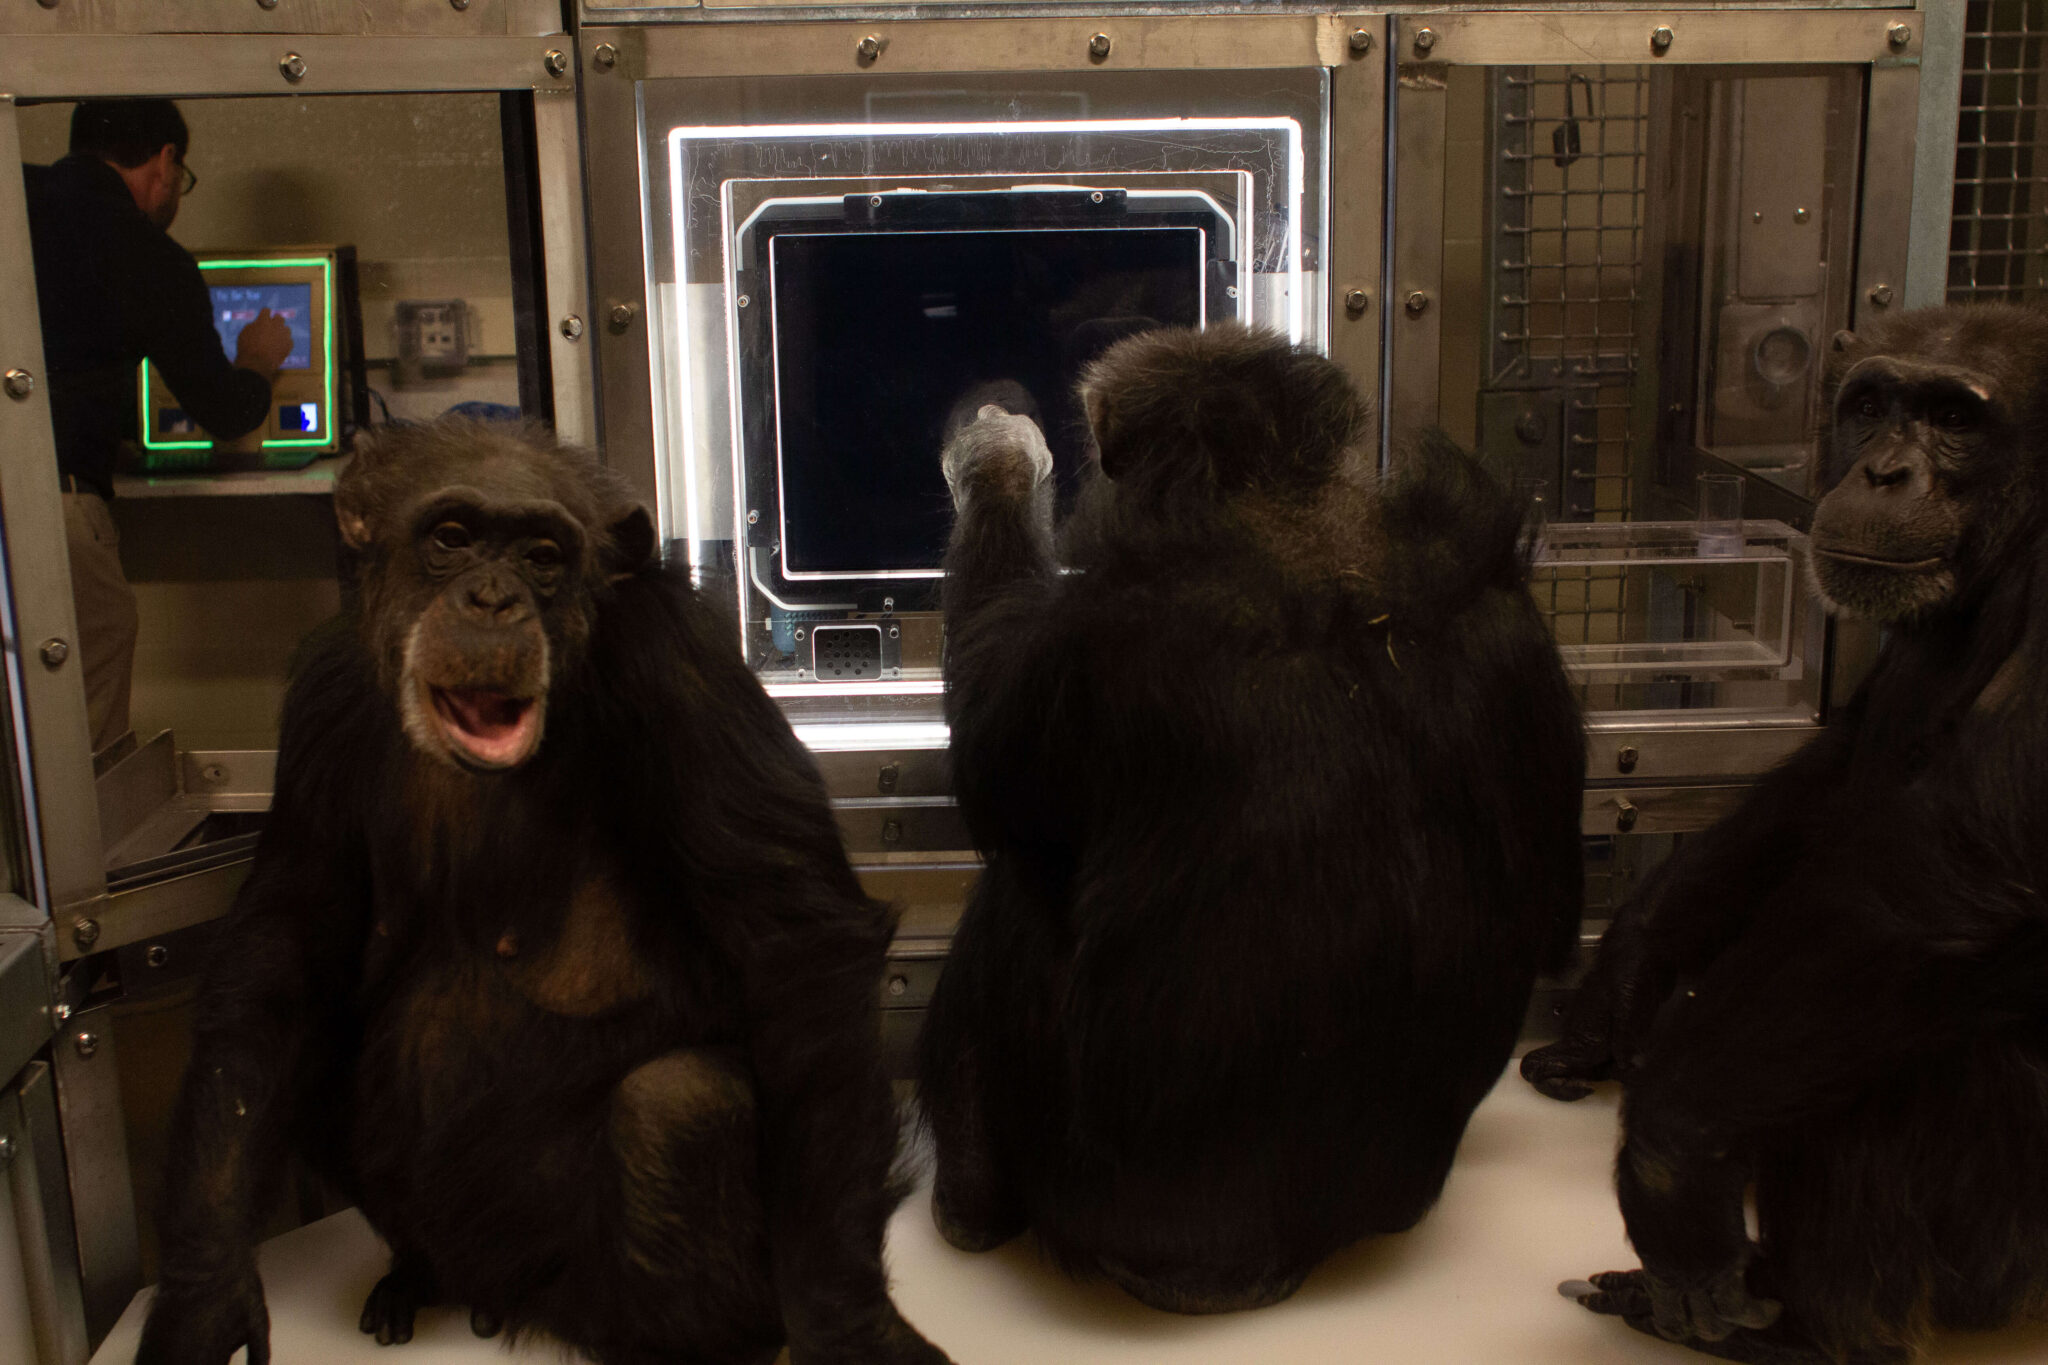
[433,334]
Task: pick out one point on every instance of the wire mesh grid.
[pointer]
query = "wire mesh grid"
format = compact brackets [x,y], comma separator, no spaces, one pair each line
[1570,190]
[1998,233]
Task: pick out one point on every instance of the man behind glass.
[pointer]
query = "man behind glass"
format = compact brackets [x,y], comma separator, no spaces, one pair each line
[112,289]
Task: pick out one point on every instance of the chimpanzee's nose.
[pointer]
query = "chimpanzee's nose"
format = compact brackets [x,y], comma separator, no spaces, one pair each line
[492,598]
[1888,472]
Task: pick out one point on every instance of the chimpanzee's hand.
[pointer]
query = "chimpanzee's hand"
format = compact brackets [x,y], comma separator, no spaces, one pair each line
[1567,1068]
[205,1324]
[997,450]
[1704,1310]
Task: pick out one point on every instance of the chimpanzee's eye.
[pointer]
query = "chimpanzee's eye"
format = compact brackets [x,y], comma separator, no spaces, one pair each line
[452,535]
[544,554]
[1867,408]
[1954,417]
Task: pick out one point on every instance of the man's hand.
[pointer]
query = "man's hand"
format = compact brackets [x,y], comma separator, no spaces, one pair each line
[263,344]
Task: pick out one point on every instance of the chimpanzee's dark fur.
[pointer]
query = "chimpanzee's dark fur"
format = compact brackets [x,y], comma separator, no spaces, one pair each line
[1279,796]
[1840,993]
[592,1039]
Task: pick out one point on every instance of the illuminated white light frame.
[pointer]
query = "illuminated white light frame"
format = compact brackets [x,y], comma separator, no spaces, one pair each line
[678,334]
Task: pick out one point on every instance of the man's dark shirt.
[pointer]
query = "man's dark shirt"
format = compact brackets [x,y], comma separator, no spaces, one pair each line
[112,287]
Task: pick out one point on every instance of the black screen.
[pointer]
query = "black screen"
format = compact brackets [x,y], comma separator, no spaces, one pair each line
[879,334]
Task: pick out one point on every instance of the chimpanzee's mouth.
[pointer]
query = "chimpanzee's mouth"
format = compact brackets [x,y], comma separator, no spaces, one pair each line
[488,729]
[1878,561]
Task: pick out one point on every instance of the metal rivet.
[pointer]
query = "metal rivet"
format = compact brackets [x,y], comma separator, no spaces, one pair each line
[458,4]
[869,48]
[20,384]
[1800,215]
[892,831]
[606,57]
[555,60]
[894,632]
[1361,42]
[742,300]
[60,1012]
[1425,39]
[799,632]
[1898,35]
[1660,39]
[1418,303]
[1098,46]
[622,316]
[1757,216]
[86,1043]
[292,67]
[899,985]
[1625,758]
[214,772]
[1624,815]
[266,4]
[1355,301]
[85,932]
[1881,295]
[888,604]
[157,955]
[753,518]
[1095,197]
[874,201]
[7,1150]
[47,4]
[54,652]
[885,781]
[572,327]
[1229,291]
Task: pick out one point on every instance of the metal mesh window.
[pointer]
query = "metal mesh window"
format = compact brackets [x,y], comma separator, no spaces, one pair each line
[1998,234]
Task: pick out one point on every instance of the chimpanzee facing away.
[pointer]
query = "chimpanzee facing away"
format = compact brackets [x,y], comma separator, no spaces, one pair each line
[1278,792]
[550,955]
[1839,994]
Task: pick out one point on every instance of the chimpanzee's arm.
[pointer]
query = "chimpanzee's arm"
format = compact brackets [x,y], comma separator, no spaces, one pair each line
[269,1016]
[1000,472]
[1867,959]
[735,817]
[1693,906]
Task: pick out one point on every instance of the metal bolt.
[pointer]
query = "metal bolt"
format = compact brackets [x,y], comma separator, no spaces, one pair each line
[55,652]
[1095,197]
[87,1044]
[892,831]
[1660,40]
[753,518]
[60,1011]
[1355,301]
[1531,428]
[20,384]
[1898,35]
[266,4]
[799,632]
[555,60]
[1800,215]
[214,772]
[742,300]
[885,781]
[622,316]
[1757,216]
[1624,815]
[874,201]
[1418,303]
[458,4]
[292,67]
[7,1150]
[894,632]
[157,955]
[1230,291]
[899,985]
[888,604]
[572,327]
[1361,42]
[47,4]
[1881,295]
[1425,39]
[869,48]
[85,932]
[1098,46]
[1625,758]
[605,57]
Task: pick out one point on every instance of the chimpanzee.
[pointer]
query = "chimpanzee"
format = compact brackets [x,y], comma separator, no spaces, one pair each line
[1277,784]
[550,955]
[1839,995]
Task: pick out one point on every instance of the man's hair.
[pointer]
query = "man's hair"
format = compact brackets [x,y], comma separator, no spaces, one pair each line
[127,132]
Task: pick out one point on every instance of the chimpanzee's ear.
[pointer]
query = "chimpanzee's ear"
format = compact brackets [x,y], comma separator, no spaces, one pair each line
[630,544]
[1096,404]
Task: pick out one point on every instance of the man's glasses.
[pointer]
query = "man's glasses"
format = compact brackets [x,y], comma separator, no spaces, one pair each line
[188,181]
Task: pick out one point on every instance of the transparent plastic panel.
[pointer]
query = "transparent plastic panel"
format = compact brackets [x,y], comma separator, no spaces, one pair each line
[837,265]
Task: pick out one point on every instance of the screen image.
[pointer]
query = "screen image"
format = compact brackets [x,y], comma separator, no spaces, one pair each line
[878,335]
[235,306]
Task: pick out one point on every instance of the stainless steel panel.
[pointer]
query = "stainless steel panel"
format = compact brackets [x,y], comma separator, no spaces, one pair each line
[407,18]
[882,825]
[893,772]
[1552,36]
[136,787]
[61,67]
[1356,240]
[1618,751]
[96,1162]
[42,1210]
[56,755]
[24,999]
[1884,233]
[1934,165]
[1658,810]
[1414,300]
[611,138]
[572,361]
[146,911]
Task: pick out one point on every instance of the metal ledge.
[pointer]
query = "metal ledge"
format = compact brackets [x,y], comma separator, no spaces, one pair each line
[71,66]
[1716,37]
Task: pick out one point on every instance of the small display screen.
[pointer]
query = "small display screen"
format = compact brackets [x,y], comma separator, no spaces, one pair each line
[879,334]
[299,417]
[235,306]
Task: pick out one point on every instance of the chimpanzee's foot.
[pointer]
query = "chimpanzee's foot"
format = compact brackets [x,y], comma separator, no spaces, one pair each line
[1626,1294]
[389,1311]
[970,1215]
[1567,1069]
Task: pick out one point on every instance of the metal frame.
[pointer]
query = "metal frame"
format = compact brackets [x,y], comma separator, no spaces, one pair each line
[61,806]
